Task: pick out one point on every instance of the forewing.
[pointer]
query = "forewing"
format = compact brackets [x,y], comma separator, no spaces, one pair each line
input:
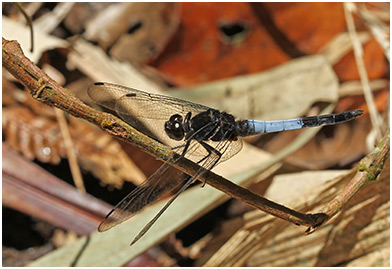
[136,103]
[144,111]
[106,94]
[165,179]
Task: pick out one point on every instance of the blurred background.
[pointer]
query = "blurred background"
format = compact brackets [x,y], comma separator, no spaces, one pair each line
[266,61]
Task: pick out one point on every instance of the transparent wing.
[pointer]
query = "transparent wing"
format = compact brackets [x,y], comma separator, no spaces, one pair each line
[206,164]
[129,102]
[227,150]
[165,180]
[144,111]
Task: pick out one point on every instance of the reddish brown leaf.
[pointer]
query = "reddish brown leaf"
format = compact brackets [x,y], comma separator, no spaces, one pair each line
[373,57]
[309,25]
[218,41]
[241,38]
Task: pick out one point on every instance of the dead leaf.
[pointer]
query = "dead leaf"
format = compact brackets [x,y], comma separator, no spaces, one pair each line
[31,128]
[229,41]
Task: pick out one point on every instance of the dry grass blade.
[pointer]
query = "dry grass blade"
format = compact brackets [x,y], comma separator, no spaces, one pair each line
[358,53]
[69,145]
[352,88]
[379,29]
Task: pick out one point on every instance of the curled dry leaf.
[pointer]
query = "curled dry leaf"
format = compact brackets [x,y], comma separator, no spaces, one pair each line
[31,128]
[42,41]
[35,137]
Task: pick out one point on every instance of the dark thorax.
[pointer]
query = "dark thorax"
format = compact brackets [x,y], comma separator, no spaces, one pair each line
[208,125]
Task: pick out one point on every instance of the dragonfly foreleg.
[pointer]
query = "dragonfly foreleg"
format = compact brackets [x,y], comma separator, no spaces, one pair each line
[210,150]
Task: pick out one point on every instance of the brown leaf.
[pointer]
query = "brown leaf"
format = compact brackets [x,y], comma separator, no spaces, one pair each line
[308,25]
[80,14]
[241,38]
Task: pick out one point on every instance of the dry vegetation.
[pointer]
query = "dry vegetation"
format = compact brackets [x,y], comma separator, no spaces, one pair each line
[262,61]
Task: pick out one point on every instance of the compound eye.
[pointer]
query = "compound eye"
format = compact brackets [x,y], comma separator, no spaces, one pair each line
[174,128]
[176,118]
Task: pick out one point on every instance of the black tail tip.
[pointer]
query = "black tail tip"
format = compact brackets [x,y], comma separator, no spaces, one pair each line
[357,113]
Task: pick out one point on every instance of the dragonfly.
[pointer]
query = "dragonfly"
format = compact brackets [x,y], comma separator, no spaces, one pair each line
[202,134]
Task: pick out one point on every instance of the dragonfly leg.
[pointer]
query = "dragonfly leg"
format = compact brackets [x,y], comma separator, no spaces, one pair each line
[190,137]
[185,146]
[210,150]
[178,147]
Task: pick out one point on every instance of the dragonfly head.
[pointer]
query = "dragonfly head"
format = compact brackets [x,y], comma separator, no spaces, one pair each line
[174,127]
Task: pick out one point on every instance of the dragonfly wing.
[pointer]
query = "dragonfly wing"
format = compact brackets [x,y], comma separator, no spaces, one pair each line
[188,182]
[149,112]
[206,164]
[144,111]
[106,94]
[125,100]
[228,150]
[163,181]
